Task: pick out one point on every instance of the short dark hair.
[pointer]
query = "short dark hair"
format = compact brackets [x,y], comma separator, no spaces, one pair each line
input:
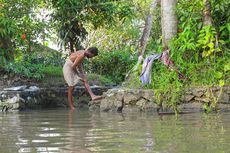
[93,50]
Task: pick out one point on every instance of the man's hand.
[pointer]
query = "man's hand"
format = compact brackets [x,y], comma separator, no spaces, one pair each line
[83,77]
[74,69]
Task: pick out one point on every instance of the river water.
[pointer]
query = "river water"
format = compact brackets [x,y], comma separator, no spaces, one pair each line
[52,131]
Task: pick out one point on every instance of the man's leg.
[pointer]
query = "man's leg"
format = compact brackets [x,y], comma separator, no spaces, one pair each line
[92,95]
[70,97]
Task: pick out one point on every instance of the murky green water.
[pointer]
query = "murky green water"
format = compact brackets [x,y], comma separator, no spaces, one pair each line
[52,131]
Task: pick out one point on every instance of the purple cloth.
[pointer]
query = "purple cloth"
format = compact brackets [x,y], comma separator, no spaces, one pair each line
[147,67]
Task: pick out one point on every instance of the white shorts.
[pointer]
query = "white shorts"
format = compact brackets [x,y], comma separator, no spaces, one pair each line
[71,77]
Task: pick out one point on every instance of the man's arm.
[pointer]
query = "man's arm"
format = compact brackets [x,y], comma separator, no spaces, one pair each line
[77,61]
[82,73]
[80,68]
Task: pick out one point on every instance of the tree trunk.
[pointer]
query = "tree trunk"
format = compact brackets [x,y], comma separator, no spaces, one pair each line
[145,36]
[207,13]
[168,20]
[147,28]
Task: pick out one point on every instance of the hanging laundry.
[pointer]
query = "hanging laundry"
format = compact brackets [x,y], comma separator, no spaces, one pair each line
[147,67]
[145,76]
[166,61]
[165,57]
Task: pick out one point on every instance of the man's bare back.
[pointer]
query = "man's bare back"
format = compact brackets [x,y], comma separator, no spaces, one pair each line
[76,54]
[77,58]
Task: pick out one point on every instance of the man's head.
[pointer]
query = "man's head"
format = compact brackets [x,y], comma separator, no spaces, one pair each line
[91,52]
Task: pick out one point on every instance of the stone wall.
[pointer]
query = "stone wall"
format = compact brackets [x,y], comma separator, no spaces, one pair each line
[23,97]
[127,100]
[116,99]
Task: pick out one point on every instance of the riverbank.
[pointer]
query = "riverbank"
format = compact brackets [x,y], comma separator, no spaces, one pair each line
[196,99]
[18,93]
[115,99]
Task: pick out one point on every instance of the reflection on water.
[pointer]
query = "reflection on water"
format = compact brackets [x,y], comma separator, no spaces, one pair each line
[52,131]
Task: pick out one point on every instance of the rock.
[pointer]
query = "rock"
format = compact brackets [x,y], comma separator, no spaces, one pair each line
[110,94]
[166,110]
[188,92]
[150,106]
[215,89]
[130,109]
[190,107]
[13,100]
[202,99]
[53,95]
[118,104]
[15,106]
[198,92]
[193,90]
[3,96]
[224,98]
[94,107]
[12,103]
[129,98]
[33,88]
[148,95]
[227,89]
[187,98]
[106,105]
[5,76]
[141,103]
[18,88]
[110,104]
[223,107]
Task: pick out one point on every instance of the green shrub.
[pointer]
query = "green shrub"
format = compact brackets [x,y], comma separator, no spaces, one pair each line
[96,79]
[37,71]
[53,58]
[25,69]
[114,65]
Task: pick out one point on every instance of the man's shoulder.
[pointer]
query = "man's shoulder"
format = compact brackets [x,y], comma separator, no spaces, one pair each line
[80,54]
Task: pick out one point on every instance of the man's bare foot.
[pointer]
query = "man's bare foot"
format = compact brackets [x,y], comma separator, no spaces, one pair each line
[72,108]
[96,97]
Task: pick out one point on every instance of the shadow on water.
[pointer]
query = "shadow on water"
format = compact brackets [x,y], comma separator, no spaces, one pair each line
[86,132]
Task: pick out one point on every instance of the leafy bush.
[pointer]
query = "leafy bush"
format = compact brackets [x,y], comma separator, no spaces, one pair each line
[99,80]
[26,70]
[36,71]
[53,58]
[114,65]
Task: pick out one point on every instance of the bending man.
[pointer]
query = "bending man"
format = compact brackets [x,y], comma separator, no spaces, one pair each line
[73,72]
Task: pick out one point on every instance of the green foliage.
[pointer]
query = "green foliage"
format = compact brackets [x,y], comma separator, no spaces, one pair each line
[26,70]
[221,19]
[114,64]
[72,16]
[42,62]
[99,80]
[8,29]
[36,71]
[206,41]
[20,26]
[123,36]
[167,86]
[52,58]
[200,52]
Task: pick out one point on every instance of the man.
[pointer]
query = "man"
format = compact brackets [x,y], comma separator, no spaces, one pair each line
[73,72]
